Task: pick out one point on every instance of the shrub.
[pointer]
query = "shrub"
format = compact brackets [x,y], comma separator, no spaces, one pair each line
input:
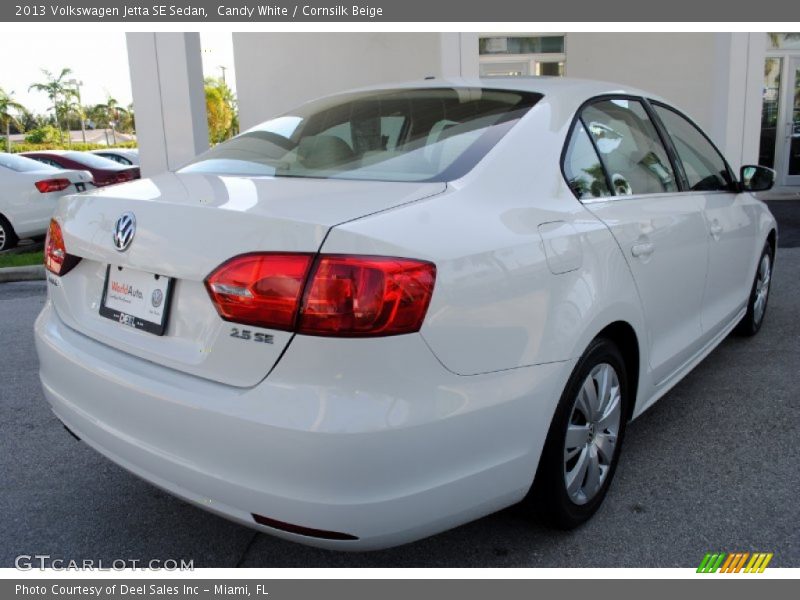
[79,146]
[43,135]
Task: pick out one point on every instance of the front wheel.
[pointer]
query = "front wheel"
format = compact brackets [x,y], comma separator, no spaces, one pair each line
[759,295]
[583,445]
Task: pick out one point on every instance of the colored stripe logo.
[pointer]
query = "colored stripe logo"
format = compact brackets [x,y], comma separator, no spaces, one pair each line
[736,562]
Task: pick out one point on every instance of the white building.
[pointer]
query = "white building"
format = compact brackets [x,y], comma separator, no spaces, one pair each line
[743,88]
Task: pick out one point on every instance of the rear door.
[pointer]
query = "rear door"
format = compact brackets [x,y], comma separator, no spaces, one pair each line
[729,215]
[661,232]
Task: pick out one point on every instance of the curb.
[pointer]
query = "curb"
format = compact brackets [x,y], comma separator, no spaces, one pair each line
[32,273]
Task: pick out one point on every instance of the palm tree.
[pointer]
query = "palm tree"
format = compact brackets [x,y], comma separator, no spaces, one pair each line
[8,104]
[112,109]
[58,91]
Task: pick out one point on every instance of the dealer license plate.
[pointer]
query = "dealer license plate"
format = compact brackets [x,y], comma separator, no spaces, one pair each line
[136,299]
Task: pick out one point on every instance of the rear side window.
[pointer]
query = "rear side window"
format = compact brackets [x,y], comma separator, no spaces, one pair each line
[629,146]
[704,167]
[90,160]
[425,134]
[582,167]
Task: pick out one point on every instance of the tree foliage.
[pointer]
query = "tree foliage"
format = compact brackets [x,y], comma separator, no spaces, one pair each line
[10,112]
[221,111]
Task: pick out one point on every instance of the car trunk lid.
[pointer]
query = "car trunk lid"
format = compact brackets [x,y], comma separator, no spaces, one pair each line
[186,226]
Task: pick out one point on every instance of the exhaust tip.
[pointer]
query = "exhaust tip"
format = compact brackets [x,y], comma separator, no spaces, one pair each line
[300,530]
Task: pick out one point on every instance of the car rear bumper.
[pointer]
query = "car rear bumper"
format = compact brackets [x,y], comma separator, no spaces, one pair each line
[369,438]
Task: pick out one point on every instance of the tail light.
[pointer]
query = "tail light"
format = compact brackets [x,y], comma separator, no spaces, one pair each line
[56,259]
[122,177]
[260,289]
[336,295]
[52,185]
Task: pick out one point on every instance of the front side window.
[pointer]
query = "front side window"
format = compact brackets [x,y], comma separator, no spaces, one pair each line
[425,134]
[705,169]
[582,167]
[629,146]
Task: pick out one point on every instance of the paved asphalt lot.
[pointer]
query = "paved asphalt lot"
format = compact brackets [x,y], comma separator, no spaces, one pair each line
[714,466]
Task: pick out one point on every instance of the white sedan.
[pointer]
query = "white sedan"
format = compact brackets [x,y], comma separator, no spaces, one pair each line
[395,310]
[123,156]
[29,194]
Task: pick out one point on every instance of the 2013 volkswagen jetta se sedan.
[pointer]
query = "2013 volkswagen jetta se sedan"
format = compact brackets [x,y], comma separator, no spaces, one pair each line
[396,310]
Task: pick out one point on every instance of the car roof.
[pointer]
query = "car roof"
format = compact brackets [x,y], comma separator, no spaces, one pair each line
[571,87]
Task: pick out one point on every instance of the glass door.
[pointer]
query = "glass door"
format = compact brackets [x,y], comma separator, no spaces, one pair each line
[792,125]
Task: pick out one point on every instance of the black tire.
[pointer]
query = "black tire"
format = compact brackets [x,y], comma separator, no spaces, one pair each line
[8,239]
[549,499]
[754,318]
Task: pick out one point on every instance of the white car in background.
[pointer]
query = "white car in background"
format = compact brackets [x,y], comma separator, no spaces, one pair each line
[396,310]
[29,191]
[123,156]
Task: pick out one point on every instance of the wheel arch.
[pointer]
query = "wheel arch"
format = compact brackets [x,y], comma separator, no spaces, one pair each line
[623,335]
[772,240]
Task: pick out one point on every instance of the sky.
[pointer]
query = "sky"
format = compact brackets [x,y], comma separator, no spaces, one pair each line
[100,61]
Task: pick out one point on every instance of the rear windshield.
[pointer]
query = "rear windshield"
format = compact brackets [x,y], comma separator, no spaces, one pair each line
[22,164]
[91,160]
[426,134]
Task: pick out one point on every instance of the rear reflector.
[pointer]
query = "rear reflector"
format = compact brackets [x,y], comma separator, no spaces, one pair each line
[56,259]
[52,185]
[299,530]
[337,295]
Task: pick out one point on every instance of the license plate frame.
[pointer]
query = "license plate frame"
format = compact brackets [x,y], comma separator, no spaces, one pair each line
[135,319]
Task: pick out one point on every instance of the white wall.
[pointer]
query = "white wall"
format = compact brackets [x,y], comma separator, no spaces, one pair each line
[677,66]
[277,71]
[715,78]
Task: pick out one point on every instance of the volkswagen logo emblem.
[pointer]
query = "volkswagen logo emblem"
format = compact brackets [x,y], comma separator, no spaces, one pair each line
[124,230]
[157,298]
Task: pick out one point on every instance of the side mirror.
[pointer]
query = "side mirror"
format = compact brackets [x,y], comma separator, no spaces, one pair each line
[756,179]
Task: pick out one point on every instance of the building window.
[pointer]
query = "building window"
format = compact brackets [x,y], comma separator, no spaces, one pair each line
[771,92]
[522,55]
[783,41]
[541,44]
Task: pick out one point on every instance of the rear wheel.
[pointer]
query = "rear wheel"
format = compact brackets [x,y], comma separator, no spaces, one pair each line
[8,239]
[584,441]
[759,295]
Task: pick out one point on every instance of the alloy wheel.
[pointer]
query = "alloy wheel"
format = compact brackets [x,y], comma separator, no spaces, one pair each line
[762,288]
[592,434]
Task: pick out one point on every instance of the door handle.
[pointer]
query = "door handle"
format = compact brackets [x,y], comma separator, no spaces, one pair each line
[716,230]
[642,250]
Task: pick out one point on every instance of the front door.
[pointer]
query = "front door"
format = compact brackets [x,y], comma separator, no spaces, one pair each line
[730,220]
[791,136]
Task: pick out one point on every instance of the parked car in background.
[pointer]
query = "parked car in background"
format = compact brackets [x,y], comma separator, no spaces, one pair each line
[396,310]
[124,156]
[28,194]
[104,171]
